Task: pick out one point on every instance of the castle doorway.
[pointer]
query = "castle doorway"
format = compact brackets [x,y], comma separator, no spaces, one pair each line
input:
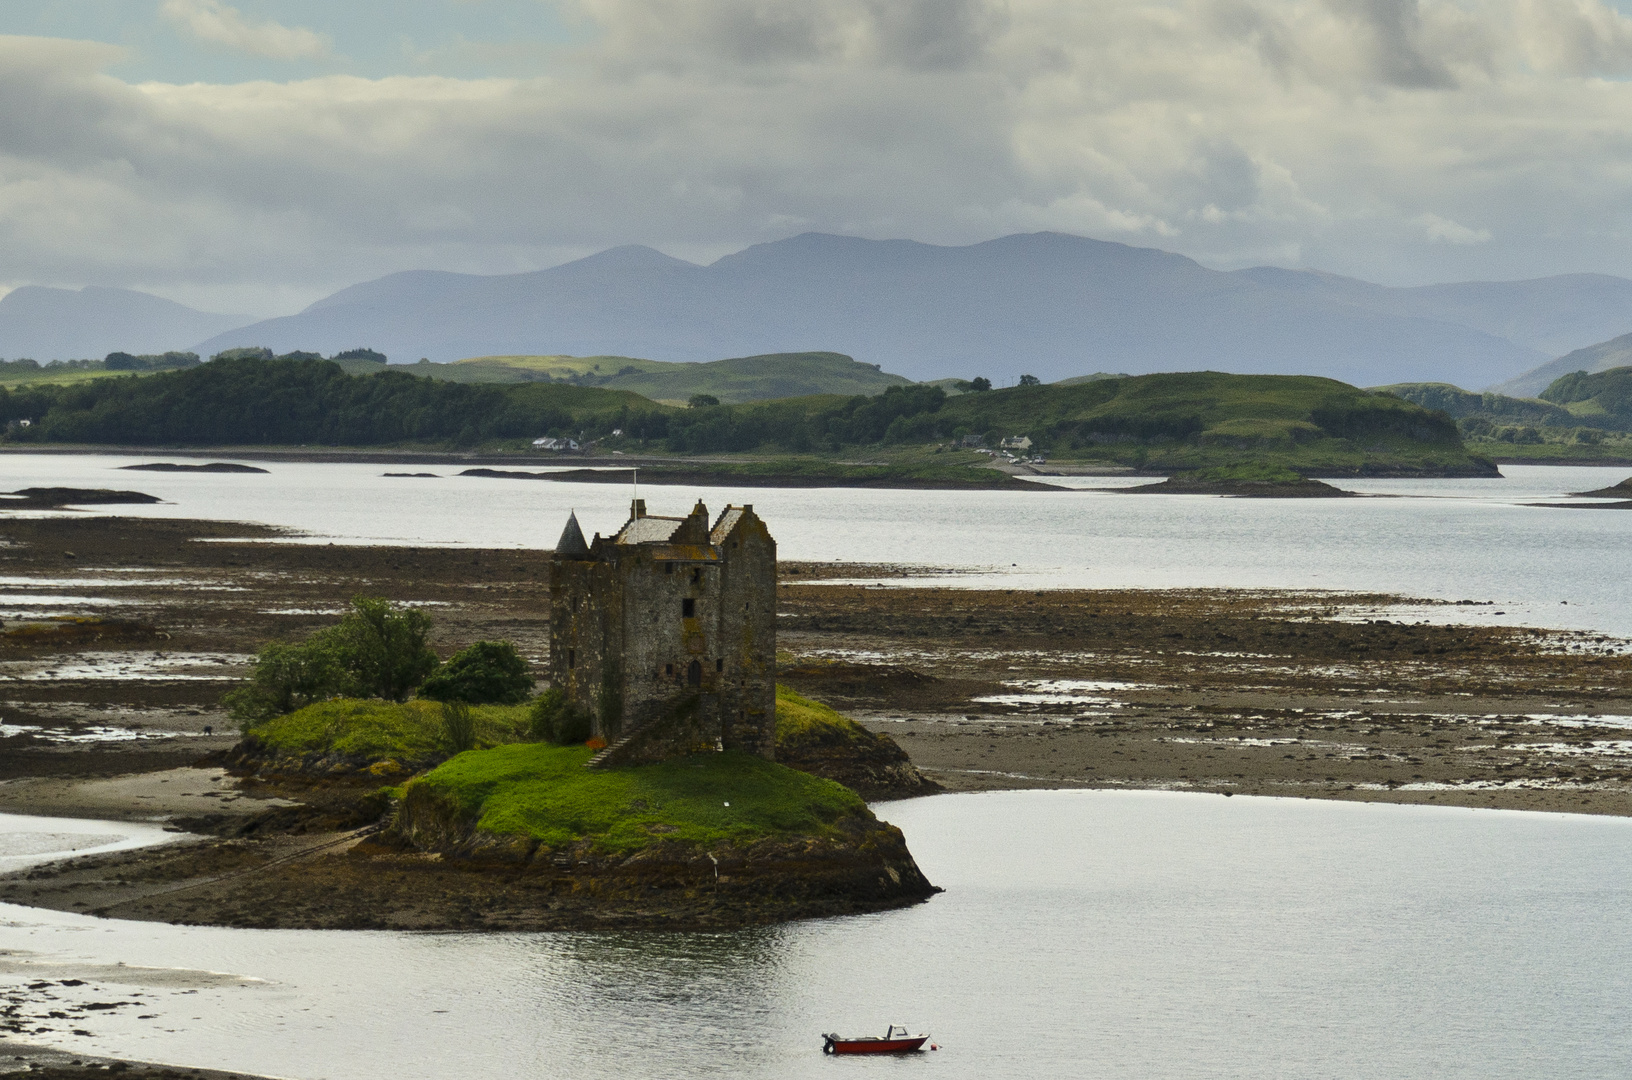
[694,674]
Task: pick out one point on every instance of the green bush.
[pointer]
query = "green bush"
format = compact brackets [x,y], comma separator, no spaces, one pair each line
[376,650]
[554,719]
[458,727]
[486,673]
[287,677]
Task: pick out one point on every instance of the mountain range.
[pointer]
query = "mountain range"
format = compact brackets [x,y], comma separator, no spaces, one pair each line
[47,324]
[1614,353]
[1044,304]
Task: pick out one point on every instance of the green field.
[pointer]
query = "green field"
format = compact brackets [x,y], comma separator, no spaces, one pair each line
[746,378]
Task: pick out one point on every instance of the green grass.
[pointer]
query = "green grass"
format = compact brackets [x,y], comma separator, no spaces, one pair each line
[740,379]
[545,793]
[47,377]
[917,467]
[383,729]
[803,722]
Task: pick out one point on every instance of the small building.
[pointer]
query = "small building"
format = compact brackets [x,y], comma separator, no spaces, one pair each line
[1017,442]
[972,441]
[665,633]
[548,443]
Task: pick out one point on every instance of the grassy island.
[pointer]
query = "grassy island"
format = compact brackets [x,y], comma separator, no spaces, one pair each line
[544,793]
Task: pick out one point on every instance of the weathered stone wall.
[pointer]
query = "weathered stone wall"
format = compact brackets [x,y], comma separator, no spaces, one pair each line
[638,627]
[748,638]
[584,600]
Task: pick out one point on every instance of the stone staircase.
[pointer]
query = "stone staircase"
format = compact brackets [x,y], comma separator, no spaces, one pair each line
[610,751]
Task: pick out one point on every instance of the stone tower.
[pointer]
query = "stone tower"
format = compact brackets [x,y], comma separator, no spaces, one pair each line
[666,633]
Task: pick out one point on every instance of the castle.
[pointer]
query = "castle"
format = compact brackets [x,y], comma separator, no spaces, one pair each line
[665,633]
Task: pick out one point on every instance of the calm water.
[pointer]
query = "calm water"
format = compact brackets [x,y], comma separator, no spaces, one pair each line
[1440,539]
[1099,934]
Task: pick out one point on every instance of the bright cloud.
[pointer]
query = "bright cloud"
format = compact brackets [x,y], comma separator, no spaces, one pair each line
[1401,140]
[215,22]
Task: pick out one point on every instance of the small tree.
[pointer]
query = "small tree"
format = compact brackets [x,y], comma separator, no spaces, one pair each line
[287,677]
[702,401]
[383,648]
[486,673]
[554,719]
[1030,380]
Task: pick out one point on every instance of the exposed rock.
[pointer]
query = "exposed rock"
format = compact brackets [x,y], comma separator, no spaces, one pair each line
[212,467]
[49,497]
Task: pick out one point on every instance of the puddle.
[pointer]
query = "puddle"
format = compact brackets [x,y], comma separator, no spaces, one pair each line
[1061,692]
[94,734]
[49,600]
[171,667]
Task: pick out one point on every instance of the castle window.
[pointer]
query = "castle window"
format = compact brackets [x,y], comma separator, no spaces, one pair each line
[719,665]
[694,674]
[668,568]
[668,669]
[688,608]
[572,657]
[696,574]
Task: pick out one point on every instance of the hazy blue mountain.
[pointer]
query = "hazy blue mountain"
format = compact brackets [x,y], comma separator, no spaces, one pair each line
[86,324]
[1614,353]
[1044,303]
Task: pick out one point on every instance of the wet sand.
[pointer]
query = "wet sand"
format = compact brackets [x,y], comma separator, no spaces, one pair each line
[1238,692]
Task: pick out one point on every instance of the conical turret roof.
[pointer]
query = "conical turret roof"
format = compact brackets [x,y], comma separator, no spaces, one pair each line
[572,539]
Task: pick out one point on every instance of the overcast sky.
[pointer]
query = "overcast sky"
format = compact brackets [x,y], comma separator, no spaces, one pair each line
[253,156]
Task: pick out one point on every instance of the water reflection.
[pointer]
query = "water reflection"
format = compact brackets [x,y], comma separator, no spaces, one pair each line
[1121,934]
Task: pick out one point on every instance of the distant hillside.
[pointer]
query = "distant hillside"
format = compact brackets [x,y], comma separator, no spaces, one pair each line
[1617,352]
[44,324]
[1602,398]
[747,378]
[1579,418]
[1462,404]
[1045,304]
[1155,422]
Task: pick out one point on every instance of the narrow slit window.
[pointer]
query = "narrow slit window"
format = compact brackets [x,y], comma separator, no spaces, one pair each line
[688,608]
[572,658]
[668,568]
[668,669]
[719,665]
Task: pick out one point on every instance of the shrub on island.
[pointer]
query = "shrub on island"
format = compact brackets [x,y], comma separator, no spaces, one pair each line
[486,673]
[377,649]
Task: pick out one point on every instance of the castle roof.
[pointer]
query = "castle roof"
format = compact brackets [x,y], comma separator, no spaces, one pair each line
[649,530]
[728,521]
[572,538]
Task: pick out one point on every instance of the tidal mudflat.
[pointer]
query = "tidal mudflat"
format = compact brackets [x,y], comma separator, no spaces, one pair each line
[1233,691]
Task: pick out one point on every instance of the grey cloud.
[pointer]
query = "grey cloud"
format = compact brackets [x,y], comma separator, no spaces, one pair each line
[1224,129]
[1390,30]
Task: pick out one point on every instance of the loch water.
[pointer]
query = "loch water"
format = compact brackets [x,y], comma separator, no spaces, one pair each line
[1480,540]
[1081,934]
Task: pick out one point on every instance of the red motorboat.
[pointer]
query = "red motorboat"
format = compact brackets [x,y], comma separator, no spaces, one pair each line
[895,1041]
